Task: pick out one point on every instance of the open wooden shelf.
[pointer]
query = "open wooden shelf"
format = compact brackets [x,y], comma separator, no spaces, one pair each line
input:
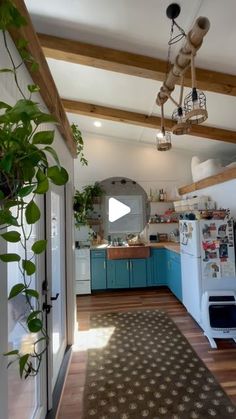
[228,174]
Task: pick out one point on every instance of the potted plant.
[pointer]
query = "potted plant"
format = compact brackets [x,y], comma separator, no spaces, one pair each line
[84,201]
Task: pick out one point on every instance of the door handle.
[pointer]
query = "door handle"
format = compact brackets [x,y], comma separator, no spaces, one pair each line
[47,307]
[131,266]
[55,298]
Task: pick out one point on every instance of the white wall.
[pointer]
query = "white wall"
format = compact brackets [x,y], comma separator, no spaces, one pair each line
[144,164]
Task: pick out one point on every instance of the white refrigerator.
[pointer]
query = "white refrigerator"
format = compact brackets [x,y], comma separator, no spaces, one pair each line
[207,260]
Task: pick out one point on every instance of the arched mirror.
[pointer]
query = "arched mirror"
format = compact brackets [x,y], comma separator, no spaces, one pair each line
[125,208]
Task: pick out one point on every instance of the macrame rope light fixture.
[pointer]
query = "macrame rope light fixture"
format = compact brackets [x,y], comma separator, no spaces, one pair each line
[191,110]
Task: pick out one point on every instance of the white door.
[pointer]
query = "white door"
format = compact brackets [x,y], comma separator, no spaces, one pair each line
[20,398]
[56,294]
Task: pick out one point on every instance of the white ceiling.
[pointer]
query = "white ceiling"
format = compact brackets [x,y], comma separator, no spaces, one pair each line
[141,27]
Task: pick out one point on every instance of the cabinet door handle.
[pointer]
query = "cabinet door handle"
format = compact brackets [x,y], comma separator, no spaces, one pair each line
[127,265]
[131,266]
[104,264]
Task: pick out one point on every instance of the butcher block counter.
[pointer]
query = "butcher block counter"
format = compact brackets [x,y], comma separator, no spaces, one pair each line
[175,247]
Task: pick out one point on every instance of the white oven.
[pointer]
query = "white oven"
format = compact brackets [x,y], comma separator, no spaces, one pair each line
[82,271]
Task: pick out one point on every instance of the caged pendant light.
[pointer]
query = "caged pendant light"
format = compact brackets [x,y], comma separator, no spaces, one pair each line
[163,136]
[195,101]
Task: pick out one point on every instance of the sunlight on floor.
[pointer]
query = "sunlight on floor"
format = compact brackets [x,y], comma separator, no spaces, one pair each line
[93,338]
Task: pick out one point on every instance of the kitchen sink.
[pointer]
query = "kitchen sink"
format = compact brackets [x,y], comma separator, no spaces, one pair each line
[128,252]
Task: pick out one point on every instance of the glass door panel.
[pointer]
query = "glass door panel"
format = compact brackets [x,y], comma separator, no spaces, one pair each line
[58,279]
[26,399]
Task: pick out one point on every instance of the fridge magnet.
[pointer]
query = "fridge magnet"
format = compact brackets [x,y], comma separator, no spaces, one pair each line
[213,230]
[222,230]
[212,270]
[206,232]
[223,251]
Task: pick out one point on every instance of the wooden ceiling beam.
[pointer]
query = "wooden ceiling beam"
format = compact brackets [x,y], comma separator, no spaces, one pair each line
[42,77]
[134,118]
[130,63]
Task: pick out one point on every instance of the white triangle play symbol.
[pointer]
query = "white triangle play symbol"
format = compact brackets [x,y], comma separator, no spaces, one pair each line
[117,209]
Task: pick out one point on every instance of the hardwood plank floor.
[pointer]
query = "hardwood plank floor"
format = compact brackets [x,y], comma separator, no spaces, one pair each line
[221,362]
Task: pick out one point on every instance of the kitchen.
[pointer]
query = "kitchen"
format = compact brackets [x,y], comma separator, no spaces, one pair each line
[118,118]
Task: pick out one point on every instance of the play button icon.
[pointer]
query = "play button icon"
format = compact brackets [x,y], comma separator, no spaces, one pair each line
[117,209]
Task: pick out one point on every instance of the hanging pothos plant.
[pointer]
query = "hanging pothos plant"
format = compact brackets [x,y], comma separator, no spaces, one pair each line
[25,173]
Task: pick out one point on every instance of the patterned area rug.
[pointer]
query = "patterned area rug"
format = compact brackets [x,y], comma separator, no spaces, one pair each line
[149,370]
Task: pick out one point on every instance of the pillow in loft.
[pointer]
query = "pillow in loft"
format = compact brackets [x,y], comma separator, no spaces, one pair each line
[201,170]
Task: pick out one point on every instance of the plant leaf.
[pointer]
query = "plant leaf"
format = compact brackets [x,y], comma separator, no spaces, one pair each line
[6,217]
[10,257]
[31,292]
[53,154]
[15,352]
[32,213]
[39,246]
[28,266]
[4,105]
[35,325]
[26,190]
[34,66]
[6,70]
[44,118]
[16,289]
[11,236]
[6,163]
[33,315]
[33,88]
[58,176]
[42,187]
[22,361]
[43,137]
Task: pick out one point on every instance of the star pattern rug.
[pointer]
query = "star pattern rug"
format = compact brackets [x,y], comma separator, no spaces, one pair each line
[148,369]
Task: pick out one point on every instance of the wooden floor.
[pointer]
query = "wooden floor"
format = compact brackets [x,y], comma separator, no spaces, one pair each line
[221,362]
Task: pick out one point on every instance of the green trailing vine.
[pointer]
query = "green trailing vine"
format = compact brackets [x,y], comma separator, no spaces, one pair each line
[25,174]
[79,144]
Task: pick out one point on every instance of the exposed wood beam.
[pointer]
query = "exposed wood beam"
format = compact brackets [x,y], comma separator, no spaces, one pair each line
[129,63]
[228,174]
[42,77]
[134,118]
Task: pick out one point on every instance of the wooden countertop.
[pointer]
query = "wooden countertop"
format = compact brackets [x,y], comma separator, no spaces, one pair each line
[175,247]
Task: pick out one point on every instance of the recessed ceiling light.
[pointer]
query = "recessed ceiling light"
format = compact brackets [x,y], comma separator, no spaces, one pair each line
[97,124]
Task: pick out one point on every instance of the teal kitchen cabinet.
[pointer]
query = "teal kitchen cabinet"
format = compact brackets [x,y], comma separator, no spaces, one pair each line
[98,270]
[157,268]
[126,273]
[138,273]
[118,273]
[174,273]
